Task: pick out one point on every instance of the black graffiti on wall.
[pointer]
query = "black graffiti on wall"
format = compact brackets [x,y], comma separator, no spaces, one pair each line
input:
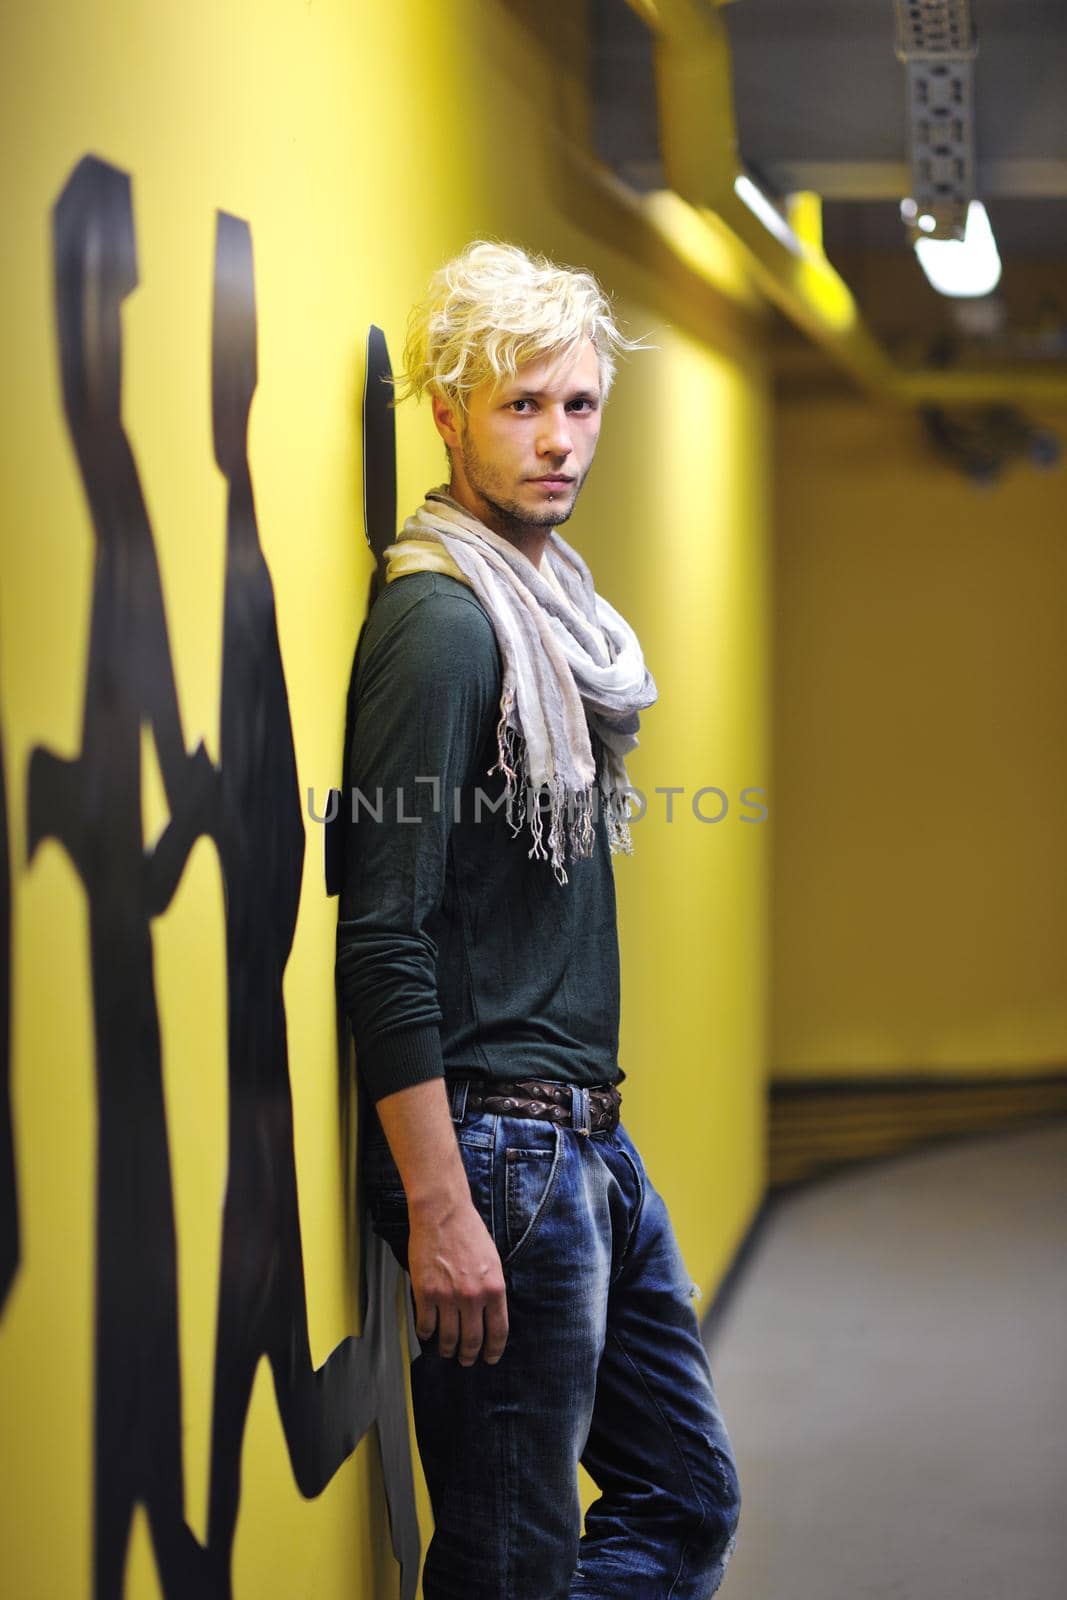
[379,446]
[379,522]
[262,1300]
[250,807]
[9,1204]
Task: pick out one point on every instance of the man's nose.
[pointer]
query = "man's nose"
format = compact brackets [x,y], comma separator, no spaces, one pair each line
[555,439]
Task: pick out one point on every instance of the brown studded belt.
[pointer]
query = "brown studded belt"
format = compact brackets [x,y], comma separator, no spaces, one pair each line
[586,1110]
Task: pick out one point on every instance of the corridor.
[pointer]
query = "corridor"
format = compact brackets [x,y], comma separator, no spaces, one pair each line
[892,1369]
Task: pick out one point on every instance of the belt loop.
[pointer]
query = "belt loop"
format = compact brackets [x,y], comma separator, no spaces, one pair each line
[580,1110]
[459,1099]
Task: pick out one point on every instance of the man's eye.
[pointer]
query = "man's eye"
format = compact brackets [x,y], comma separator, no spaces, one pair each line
[516,403]
[582,405]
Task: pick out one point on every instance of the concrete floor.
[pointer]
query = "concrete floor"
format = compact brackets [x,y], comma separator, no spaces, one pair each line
[893,1372]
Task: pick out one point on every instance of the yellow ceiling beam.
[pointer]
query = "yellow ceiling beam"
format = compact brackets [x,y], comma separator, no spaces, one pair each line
[698,143]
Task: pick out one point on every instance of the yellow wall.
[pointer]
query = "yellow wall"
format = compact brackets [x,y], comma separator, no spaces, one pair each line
[920,912]
[363,143]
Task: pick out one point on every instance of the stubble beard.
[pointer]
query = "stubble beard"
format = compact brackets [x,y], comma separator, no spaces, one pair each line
[510,517]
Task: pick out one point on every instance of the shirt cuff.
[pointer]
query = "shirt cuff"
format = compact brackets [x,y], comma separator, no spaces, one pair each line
[401,1059]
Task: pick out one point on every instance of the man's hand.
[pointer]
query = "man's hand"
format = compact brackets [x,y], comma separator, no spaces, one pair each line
[456,1275]
[457,1281]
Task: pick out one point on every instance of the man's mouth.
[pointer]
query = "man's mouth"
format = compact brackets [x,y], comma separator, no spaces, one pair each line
[554,481]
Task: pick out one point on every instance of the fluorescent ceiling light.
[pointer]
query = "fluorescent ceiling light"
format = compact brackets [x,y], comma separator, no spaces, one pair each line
[968,266]
[772,219]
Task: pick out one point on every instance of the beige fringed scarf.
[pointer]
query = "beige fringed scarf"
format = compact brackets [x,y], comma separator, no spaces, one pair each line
[570,663]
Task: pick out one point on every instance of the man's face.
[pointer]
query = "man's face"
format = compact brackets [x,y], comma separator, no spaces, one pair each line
[522,451]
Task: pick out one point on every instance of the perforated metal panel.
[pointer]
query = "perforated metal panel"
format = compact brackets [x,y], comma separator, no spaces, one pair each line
[941,129]
[937,42]
[930,29]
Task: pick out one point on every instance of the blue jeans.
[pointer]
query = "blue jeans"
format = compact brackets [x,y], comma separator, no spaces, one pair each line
[604,1364]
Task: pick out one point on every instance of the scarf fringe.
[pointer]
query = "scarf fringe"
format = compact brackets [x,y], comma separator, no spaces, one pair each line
[572,815]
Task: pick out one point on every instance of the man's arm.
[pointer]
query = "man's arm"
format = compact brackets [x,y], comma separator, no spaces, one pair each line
[428,691]
[455,1269]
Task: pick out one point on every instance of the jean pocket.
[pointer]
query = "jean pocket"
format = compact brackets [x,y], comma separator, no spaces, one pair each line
[529,1179]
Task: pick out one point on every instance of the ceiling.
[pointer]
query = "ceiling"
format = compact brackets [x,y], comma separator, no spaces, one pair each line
[820,104]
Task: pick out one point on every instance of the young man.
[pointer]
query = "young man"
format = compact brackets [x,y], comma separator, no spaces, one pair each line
[496,698]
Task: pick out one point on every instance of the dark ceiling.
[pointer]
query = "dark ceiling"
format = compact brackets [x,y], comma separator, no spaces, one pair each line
[820,103]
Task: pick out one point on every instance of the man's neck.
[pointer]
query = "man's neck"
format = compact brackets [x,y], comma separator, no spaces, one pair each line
[529,539]
[530,542]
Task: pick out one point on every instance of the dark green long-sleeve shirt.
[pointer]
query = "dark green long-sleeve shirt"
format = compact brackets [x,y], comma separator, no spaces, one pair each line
[457,952]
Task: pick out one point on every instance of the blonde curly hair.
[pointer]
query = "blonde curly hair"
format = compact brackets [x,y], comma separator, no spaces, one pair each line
[495,307]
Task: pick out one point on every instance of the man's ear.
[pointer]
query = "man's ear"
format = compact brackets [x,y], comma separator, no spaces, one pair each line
[446,420]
